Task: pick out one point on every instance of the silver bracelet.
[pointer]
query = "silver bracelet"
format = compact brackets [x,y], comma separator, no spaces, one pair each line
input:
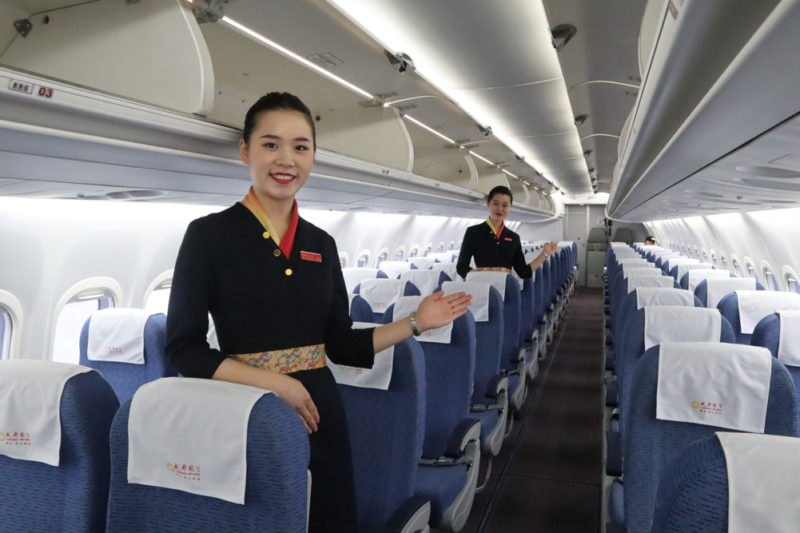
[414,328]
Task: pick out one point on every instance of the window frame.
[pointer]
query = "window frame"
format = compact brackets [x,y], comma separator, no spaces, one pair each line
[378,259]
[10,304]
[791,279]
[771,280]
[367,254]
[100,283]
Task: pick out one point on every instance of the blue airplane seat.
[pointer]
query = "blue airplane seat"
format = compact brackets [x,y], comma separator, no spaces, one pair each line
[355,275]
[768,335]
[703,273]
[695,489]
[276,487]
[358,311]
[386,430]
[448,471]
[35,496]
[651,444]
[529,328]
[125,378]
[702,289]
[768,302]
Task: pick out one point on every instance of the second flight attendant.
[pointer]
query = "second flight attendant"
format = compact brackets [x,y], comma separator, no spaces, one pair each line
[495,247]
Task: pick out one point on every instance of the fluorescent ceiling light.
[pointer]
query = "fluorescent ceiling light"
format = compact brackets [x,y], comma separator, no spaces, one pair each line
[429,129]
[396,37]
[299,59]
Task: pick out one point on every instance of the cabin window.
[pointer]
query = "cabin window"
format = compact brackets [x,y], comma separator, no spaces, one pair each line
[772,281]
[400,253]
[343,259]
[10,325]
[440,248]
[428,249]
[791,278]
[70,321]
[72,310]
[452,245]
[705,254]
[414,251]
[750,269]
[737,267]
[363,259]
[156,297]
[5,333]
[382,256]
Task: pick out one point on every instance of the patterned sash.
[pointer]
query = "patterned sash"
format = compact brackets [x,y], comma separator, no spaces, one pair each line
[287,360]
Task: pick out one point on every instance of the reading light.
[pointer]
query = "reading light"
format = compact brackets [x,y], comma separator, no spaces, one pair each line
[294,57]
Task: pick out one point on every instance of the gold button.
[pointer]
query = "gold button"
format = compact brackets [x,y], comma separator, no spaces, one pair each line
[276,253]
[288,272]
[265,235]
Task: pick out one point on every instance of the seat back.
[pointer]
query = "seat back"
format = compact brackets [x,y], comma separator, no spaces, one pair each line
[649,296]
[393,269]
[426,281]
[449,375]
[711,290]
[125,378]
[744,309]
[36,496]
[355,275]
[692,277]
[276,489]
[381,294]
[768,334]
[386,429]
[651,444]
[623,235]
[527,304]
[512,308]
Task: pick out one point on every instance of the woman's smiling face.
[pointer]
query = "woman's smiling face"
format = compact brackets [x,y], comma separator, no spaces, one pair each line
[499,206]
[280,154]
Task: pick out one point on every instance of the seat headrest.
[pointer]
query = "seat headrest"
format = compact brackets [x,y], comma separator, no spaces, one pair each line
[663,296]
[670,323]
[717,288]
[495,279]
[480,296]
[755,305]
[117,334]
[381,293]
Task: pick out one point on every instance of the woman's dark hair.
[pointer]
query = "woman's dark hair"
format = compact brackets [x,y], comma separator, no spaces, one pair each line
[276,101]
[500,189]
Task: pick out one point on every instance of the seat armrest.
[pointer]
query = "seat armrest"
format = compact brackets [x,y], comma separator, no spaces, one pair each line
[412,516]
[468,430]
[497,385]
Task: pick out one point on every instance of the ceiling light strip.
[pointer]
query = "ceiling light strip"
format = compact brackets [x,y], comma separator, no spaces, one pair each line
[481,158]
[428,129]
[299,59]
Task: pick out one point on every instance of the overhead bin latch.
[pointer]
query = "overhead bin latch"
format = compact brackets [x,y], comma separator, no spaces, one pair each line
[208,10]
[23,27]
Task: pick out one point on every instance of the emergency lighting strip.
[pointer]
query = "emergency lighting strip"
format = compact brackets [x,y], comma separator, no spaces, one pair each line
[354,88]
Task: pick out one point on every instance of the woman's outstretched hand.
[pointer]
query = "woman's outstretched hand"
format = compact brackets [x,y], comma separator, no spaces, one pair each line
[438,310]
[550,248]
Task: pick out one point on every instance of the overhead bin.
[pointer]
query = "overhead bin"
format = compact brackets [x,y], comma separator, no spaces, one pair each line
[720,74]
[101,146]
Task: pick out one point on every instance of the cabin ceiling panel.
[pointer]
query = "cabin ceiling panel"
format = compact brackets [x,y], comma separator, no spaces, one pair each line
[39,6]
[599,65]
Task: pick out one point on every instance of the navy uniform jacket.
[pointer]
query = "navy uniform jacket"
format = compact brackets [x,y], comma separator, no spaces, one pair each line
[488,250]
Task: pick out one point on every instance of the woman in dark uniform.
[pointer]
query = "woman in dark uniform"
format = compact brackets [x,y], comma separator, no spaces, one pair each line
[274,287]
[494,246]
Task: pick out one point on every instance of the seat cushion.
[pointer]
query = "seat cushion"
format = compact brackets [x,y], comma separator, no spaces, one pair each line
[440,485]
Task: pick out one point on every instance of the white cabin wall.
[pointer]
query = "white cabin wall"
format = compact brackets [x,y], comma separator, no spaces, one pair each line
[770,236]
[49,245]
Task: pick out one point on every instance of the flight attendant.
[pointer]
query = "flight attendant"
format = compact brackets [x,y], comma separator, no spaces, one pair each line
[496,247]
[274,287]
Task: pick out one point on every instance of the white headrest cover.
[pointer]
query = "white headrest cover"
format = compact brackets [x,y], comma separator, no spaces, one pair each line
[354,276]
[393,269]
[425,280]
[406,305]
[30,408]
[698,275]
[683,268]
[495,279]
[422,263]
[191,434]
[117,335]
[480,296]
[646,296]
[763,492]
[755,305]
[649,281]
[381,293]
[447,268]
[717,288]
[638,271]
[715,384]
[637,260]
[377,377]
[671,323]
[789,338]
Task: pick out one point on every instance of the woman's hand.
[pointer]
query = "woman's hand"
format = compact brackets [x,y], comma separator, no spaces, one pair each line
[295,394]
[438,310]
[550,248]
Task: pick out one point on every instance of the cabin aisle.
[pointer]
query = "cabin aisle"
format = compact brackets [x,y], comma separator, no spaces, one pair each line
[548,477]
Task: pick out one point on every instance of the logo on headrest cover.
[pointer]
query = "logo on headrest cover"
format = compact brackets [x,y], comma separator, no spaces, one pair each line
[711,408]
[113,349]
[15,438]
[184,471]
